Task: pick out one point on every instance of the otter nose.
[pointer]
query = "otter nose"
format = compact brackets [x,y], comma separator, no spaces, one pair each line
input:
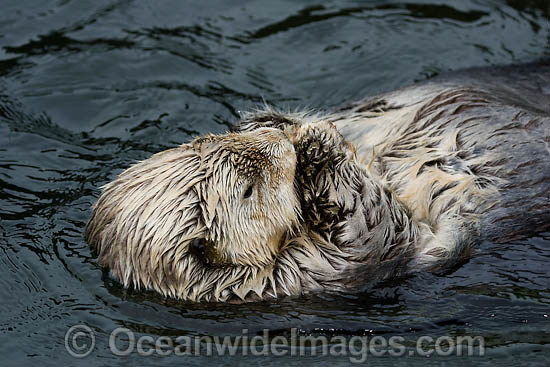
[276,138]
[291,133]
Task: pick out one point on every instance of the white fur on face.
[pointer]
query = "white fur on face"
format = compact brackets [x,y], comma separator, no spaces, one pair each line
[248,230]
[146,221]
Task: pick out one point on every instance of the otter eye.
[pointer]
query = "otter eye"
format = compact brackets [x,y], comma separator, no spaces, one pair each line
[248,192]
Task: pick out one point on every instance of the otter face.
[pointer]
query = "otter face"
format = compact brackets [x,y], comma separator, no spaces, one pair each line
[232,194]
[249,196]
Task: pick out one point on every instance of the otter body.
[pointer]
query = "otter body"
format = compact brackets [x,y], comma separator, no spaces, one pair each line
[294,203]
[484,131]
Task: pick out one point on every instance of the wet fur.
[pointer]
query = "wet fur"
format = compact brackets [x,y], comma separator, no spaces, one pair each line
[408,181]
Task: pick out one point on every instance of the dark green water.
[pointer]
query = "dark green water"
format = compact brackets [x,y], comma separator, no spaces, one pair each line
[88,87]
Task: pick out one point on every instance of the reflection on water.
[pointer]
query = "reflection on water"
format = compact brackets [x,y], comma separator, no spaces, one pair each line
[87,88]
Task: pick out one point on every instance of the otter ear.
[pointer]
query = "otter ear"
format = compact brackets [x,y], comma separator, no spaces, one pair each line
[211,204]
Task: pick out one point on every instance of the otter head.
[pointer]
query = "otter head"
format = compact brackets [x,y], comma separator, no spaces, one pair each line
[249,200]
[232,194]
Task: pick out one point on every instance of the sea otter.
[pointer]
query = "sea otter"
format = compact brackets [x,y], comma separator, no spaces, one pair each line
[293,203]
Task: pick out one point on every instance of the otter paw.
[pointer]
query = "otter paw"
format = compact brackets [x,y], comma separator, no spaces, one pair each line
[321,143]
